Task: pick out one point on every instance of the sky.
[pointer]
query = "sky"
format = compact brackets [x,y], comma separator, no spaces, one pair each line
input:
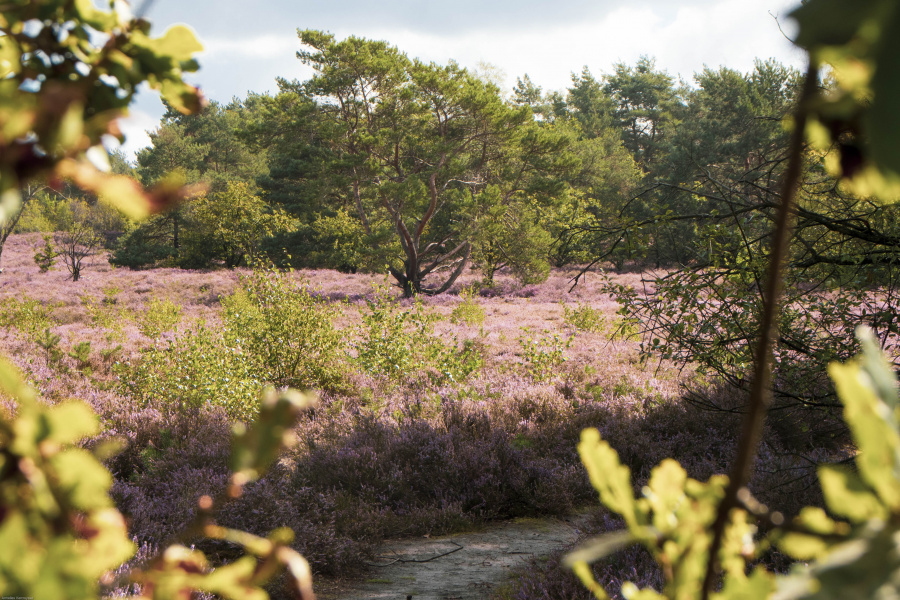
[247,45]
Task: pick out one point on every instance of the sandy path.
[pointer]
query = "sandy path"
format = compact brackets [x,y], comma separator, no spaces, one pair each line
[465,566]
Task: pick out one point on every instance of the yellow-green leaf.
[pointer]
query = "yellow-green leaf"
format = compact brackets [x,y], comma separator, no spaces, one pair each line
[9,57]
[759,585]
[178,41]
[71,421]
[846,495]
[665,493]
[599,547]
[99,20]
[609,477]
[84,479]
[633,592]
[869,419]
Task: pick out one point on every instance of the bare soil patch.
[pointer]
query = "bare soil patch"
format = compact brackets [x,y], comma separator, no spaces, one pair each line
[462,566]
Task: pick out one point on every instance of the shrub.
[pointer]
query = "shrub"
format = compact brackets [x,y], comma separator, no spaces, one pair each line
[153,242]
[542,355]
[45,212]
[44,257]
[106,314]
[158,316]
[584,318]
[392,340]
[400,344]
[469,312]
[286,335]
[197,368]
[81,353]
[28,315]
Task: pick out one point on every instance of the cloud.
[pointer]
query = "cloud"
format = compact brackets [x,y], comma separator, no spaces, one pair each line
[728,32]
[247,48]
[254,47]
[135,128]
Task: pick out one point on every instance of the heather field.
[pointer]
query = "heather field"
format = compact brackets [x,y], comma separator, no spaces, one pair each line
[433,417]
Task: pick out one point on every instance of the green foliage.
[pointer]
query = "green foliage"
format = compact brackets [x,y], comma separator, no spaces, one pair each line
[45,257]
[60,531]
[507,232]
[393,341]
[195,369]
[850,558]
[64,118]
[29,315]
[46,213]
[229,226]
[149,243]
[272,332]
[584,317]
[106,315]
[81,352]
[49,341]
[469,311]
[856,114]
[542,355]
[346,246]
[285,334]
[400,345]
[158,316]
[80,241]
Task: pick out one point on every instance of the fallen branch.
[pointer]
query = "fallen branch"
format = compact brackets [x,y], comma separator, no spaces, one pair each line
[416,560]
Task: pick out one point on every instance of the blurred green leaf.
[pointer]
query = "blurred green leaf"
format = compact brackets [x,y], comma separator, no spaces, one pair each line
[71,421]
[665,493]
[831,22]
[882,125]
[599,547]
[178,42]
[869,419]
[254,449]
[83,479]
[608,476]
[847,495]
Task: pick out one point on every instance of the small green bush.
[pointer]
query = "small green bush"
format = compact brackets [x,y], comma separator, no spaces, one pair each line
[49,341]
[543,355]
[45,212]
[469,312]
[81,353]
[45,257]
[158,316]
[584,317]
[400,344]
[392,340]
[285,334]
[272,332]
[28,315]
[105,314]
[198,368]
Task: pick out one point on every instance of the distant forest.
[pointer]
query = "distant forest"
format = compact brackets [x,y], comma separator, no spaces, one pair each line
[380,159]
[382,163]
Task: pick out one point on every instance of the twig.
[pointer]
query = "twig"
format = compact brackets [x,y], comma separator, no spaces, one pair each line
[760,392]
[416,560]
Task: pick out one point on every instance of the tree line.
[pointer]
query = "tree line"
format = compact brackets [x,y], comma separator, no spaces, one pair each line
[380,162]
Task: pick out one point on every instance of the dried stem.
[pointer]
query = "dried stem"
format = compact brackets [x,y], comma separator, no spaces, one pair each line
[760,392]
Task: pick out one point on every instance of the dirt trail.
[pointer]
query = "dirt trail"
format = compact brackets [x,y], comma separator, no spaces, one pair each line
[467,566]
